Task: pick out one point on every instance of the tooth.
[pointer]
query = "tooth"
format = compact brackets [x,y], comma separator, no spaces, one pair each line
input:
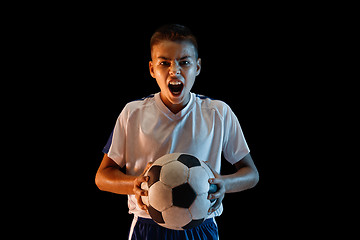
[175,83]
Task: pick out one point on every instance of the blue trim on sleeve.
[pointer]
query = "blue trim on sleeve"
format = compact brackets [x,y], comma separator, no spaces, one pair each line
[204,97]
[142,99]
[108,144]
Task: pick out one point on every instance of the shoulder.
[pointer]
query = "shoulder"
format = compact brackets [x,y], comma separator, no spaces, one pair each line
[138,105]
[212,104]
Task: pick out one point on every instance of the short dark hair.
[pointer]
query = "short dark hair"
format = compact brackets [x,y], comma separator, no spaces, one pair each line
[174,32]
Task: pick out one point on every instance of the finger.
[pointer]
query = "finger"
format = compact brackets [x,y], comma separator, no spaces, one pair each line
[216,205]
[138,194]
[220,187]
[216,181]
[215,195]
[140,203]
[140,180]
[143,193]
[138,191]
[142,206]
[147,167]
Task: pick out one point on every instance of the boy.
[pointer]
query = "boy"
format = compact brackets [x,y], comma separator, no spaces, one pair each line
[174,120]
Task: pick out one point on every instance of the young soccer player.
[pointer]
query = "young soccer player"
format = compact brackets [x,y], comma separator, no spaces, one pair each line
[174,120]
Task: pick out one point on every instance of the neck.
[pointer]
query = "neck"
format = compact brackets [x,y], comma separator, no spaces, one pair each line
[175,108]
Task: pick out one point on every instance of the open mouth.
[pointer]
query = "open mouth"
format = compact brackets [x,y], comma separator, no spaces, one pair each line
[175,87]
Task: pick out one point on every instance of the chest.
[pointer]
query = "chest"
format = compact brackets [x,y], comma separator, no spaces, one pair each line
[197,127]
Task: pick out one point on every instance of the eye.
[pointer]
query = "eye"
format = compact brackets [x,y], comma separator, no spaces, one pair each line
[164,63]
[184,63]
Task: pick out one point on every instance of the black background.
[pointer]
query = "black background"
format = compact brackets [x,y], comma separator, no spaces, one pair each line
[86,64]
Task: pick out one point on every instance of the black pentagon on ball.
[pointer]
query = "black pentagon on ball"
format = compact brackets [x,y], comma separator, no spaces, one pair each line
[193,223]
[156,215]
[189,161]
[154,175]
[183,195]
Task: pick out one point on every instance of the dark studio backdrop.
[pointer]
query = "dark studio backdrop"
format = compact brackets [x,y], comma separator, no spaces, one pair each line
[95,64]
[242,66]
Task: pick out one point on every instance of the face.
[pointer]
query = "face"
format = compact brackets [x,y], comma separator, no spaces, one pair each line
[175,67]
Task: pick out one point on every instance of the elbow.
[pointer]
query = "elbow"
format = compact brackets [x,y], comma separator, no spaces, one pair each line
[99,181]
[254,179]
[257,178]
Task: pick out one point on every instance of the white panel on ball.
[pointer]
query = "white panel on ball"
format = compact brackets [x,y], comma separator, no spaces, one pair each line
[198,180]
[200,207]
[208,170]
[167,158]
[176,216]
[160,196]
[174,174]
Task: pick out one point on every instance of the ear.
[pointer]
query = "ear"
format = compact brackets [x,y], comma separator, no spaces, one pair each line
[198,66]
[151,68]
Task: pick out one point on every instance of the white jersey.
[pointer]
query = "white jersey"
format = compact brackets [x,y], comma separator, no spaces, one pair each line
[146,130]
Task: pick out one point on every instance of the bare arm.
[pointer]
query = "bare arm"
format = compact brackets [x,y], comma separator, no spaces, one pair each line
[109,178]
[244,178]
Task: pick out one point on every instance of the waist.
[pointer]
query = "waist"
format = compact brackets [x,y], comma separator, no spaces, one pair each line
[150,221]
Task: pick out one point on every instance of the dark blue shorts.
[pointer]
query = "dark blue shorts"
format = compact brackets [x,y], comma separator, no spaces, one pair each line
[147,229]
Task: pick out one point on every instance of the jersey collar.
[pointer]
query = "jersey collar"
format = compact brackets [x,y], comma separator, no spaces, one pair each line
[162,107]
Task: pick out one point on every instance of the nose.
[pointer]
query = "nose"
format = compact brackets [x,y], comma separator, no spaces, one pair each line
[174,69]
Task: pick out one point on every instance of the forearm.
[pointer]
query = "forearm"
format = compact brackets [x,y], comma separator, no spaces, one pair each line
[243,179]
[111,179]
[246,177]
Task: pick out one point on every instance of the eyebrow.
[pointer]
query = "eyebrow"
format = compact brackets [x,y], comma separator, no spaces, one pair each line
[165,58]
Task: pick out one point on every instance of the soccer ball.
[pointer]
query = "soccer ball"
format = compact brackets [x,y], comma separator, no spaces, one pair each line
[178,188]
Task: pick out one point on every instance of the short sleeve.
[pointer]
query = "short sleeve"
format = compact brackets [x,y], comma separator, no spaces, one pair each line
[108,144]
[234,145]
[116,145]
